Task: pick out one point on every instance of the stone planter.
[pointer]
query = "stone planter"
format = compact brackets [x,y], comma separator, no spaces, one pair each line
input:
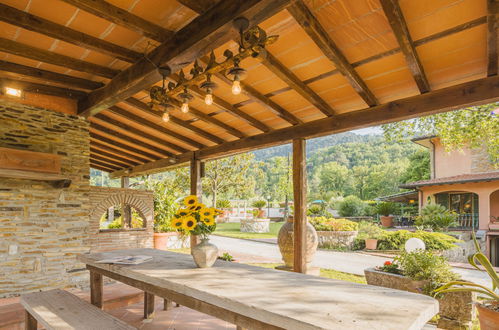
[255,225]
[336,239]
[386,221]
[285,242]
[371,243]
[455,308]
[170,240]
[204,254]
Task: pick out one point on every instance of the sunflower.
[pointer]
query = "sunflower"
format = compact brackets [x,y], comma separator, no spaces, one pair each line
[209,221]
[207,212]
[189,223]
[199,207]
[190,200]
[177,223]
[182,213]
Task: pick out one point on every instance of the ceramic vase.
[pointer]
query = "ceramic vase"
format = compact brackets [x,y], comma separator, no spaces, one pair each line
[205,254]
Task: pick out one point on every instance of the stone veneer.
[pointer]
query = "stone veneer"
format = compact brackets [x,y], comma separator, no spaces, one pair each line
[480,161]
[42,228]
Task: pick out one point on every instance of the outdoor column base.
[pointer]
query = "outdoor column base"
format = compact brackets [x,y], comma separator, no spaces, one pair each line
[316,271]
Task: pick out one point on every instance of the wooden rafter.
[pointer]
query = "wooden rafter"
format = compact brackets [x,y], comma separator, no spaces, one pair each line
[115,152]
[199,6]
[125,147]
[27,86]
[123,18]
[396,19]
[29,71]
[133,130]
[112,156]
[37,24]
[112,161]
[182,123]
[100,168]
[481,91]
[314,29]
[144,122]
[492,38]
[37,54]
[206,32]
[105,165]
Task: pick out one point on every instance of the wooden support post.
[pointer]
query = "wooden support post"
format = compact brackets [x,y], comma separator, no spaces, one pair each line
[96,287]
[300,205]
[196,188]
[148,305]
[167,304]
[125,208]
[30,322]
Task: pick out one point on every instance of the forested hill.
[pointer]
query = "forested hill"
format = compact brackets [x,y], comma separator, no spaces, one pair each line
[314,144]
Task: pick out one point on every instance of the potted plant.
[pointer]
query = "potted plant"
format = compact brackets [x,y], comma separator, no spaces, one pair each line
[194,218]
[371,233]
[224,205]
[488,311]
[386,209]
[259,205]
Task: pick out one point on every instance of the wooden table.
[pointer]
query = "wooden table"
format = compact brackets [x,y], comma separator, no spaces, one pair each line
[260,298]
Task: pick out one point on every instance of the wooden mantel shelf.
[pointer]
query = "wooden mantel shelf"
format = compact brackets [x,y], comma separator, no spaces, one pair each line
[56,180]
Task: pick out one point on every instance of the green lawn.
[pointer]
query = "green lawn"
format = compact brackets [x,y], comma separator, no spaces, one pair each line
[231,229]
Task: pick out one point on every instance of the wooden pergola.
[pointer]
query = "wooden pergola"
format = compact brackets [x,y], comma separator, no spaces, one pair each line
[337,66]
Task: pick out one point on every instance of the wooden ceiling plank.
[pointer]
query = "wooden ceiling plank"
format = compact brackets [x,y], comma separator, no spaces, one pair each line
[27,86]
[112,161]
[144,107]
[139,132]
[480,91]
[123,146]
[104,164]
[37,54]
[115,152]
[492,26]
[40,25]
[396,20]
[111,156]
[123,18]
[142,121]
[100,168]
[130,140]
[199,6]
[207,118]
[29,71]
[203,34]
[286,75]
[314,29]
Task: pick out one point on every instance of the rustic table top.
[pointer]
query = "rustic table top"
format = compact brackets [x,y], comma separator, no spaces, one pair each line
[284,299]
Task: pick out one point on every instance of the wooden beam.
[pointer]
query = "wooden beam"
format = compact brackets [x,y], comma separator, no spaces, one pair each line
[480,91]
[196,188]
[207,118]
[104,165]
[101,153]
[101,138]
[29,71]
[281,71]
[131,140]
[182,123]
[492,39]
[314,29]
[27,86]
[130,116]
[396,19]
[139,132]
[199,6]
[100,168]
[102,148]
[111,162]
[205,33]
[40,25]
[37,54]
[123,18]
[300,205]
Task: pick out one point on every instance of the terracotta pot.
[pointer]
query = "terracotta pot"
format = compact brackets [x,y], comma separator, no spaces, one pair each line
[285,242]
[371,243]
[488,318]
[205,254]
[386,221]
[260,214]
[161,240]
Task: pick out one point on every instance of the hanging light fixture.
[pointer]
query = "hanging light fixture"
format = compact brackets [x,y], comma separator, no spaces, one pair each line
[186,97]
[236,74]
[208,86]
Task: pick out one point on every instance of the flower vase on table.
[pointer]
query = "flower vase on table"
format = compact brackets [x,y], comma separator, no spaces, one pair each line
[194,218]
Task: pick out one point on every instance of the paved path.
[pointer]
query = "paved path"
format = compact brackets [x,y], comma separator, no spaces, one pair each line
[348,262]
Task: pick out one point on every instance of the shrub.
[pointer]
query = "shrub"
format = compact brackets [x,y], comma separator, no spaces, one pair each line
[395,240]
[351,206]
[331,224]
[259,204]
[314,210]
[436,217]
[369,230]
[386,208]
[116,224]
[223,204]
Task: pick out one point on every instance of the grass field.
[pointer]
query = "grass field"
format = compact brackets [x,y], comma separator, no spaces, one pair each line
[231,229]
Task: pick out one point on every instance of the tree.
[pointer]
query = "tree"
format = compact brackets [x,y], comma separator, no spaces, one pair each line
[228,173]
[475,127]
[332,177]
[419,167]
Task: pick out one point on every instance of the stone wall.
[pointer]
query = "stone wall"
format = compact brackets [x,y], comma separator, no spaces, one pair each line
[480,161]
[101,198]
[255,225]
[42,228]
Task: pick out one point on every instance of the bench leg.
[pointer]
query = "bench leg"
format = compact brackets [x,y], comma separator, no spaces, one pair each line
[239,328]
[148,305]
[96,287]
[29,322]
[167,304]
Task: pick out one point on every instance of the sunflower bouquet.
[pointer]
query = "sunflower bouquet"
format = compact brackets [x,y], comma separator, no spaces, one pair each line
[194,218]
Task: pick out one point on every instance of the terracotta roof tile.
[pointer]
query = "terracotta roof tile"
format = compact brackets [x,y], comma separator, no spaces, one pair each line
[478,177]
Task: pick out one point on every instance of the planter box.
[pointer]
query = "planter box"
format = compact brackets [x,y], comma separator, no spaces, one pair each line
[172,240]
[336,239]
[255,225]
[455,308]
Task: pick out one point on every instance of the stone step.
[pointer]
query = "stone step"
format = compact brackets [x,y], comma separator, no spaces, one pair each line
[116,295]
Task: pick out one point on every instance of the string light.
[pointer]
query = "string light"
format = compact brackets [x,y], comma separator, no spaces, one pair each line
[208,99]
[166,117]
[236,87]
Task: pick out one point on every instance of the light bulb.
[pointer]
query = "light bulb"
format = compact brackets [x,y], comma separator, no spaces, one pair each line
[236,87]
[185,108]
[166,117]
[208,99]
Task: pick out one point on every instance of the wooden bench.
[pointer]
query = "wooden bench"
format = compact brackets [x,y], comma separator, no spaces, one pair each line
[58,309]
